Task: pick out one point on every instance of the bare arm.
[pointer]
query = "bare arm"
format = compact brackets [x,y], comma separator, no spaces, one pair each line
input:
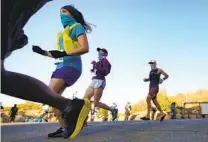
[83,46]
[164,74]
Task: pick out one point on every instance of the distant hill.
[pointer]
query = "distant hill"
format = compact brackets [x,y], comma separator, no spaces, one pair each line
[165,100]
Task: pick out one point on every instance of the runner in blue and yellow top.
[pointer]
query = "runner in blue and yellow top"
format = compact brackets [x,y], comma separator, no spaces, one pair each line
[71,44]
[16,14]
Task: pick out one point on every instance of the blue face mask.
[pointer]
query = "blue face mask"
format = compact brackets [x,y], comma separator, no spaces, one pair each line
[67,21]
[153,67]
[101,56]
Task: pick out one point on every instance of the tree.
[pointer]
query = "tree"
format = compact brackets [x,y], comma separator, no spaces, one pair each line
[30,106]
[163,101]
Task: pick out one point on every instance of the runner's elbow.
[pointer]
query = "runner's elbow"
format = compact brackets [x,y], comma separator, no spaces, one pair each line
[86,49]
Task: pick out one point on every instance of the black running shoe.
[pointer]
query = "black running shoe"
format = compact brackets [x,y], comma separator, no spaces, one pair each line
[75,115]
[144,118]
[58,133]
[163,117]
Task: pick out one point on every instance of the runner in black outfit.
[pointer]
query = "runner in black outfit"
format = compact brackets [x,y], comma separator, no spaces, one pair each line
[154,79]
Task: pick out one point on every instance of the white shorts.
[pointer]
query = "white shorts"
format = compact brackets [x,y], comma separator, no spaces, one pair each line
[97,83]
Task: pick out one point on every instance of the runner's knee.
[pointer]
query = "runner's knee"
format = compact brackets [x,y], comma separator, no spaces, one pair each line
[148,99]
[155,101]
[57,85]
[89,93]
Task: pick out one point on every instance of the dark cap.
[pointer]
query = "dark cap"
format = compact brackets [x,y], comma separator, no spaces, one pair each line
[70,8]
[102,49]
[152,62]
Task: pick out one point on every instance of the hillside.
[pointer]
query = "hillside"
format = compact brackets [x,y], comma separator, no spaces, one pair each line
[33,110]
[165,100]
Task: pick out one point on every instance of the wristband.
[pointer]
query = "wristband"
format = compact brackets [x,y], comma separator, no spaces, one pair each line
[58,54]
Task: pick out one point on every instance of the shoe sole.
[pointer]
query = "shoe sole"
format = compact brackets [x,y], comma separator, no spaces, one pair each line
[162,118]
[59,136]
[85,123]
[144,119]
[81,119]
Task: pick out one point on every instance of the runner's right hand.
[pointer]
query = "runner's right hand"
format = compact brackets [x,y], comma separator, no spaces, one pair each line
[93,62]
[145,79]
[161,81]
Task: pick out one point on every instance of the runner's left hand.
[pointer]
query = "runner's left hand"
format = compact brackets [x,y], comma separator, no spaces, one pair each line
[161,81]
[93,62]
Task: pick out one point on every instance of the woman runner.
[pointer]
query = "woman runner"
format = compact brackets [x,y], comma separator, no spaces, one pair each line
[15,15]
[71,44]
[101,69]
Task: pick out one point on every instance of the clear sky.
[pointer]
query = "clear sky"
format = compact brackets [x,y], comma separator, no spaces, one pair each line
[173,32]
